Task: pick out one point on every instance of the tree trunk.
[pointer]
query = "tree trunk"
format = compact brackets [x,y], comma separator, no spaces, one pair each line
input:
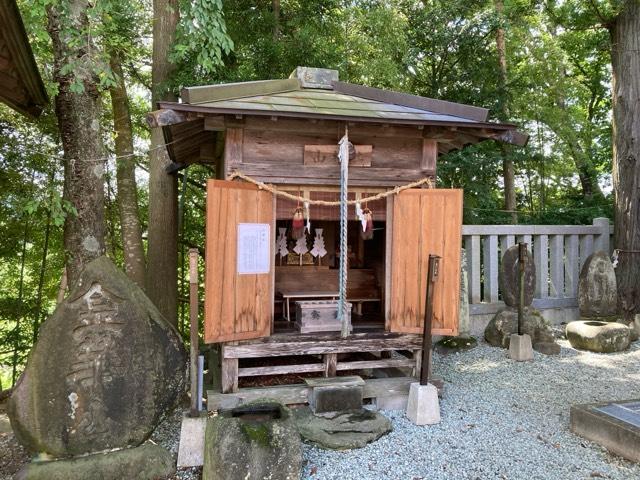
[162,267]
[508,171]
[625,62]
[131,231]
[78,114]
[275,4]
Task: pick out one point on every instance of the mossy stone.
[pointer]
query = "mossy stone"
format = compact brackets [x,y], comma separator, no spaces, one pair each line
[252,445]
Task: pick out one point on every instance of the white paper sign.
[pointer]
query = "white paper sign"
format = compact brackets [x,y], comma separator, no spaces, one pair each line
[254,248]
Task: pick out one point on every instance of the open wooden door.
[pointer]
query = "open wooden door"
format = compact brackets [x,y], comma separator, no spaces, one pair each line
[425,222]
[240,254]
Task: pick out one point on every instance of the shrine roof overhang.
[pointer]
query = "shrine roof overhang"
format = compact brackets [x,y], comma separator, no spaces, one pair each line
[316,94]
[21,86]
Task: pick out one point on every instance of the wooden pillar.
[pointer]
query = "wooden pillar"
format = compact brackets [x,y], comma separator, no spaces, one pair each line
[429,157]
[229,375]
[330,364]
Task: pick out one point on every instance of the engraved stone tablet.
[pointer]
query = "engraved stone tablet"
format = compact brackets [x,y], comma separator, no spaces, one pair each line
[105,368]
[597,294]
[509,278]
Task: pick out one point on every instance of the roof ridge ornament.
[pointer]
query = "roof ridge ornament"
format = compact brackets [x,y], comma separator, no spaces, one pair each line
[310,77]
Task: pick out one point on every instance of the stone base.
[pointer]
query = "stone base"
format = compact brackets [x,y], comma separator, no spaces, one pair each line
[617,436]
[423,407]
[335,394]
[520,348]
[191,449]
[341,430]
[148,461]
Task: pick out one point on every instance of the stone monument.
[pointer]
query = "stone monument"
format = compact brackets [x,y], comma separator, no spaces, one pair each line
[599,329]
[105,369]
[505,323]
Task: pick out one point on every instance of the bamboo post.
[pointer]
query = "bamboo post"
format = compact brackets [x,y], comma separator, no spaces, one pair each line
[425,371]
[193,317]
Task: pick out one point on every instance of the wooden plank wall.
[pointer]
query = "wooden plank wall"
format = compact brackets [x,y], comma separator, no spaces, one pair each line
[273,151]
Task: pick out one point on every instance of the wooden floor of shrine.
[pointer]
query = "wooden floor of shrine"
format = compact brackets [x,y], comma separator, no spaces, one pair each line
[276,366]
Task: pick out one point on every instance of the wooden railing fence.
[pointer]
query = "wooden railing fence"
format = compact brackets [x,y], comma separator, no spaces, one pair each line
[559,252]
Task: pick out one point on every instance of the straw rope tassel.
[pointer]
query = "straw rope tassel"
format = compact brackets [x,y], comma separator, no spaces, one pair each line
[343,155]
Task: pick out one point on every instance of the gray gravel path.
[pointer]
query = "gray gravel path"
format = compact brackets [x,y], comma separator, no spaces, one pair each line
[500,419]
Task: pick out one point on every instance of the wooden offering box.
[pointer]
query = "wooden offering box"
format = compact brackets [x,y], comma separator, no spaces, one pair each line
[319,316]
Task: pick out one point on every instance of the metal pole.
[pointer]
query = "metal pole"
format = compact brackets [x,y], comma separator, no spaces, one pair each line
[434,266]
[522,258]
[200,381]
[193,330]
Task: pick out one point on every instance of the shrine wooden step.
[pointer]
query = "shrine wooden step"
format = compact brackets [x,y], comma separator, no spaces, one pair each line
[299,393]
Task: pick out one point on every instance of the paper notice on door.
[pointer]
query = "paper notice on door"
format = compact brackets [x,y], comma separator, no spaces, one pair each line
[254,248]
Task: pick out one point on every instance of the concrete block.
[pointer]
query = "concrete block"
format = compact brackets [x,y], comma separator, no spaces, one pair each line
[617,436]
[423,406]
[191,448]
[520,348]
[396,401]
[336,398]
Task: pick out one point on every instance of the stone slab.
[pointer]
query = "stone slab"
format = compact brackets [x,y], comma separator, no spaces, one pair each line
[392,402]
[341,430]
[616,435]
[336,398]
[520,348]
[597,288]
[191,448]
[423,406]
[334,381]
[146,462]
[509,277]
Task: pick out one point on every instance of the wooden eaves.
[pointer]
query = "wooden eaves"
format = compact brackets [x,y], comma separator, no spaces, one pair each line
[187,125]
[21,86]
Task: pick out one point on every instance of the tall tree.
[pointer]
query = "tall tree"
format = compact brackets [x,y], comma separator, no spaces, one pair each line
[508,171]
[130,229]
[162,264]
[625,62]
[77,105]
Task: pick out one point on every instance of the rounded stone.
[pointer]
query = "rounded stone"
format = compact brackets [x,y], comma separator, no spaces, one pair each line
[509,277]
[505,322]
[342,430]
[597,287]
[597,336]
[106,367]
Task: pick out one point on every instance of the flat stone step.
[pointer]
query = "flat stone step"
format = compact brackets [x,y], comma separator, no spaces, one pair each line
[352,381]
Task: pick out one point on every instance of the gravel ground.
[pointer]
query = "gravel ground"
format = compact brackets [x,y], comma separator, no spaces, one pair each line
[500,419]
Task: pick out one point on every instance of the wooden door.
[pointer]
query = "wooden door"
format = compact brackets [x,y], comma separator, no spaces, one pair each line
[425,222]
[237,306]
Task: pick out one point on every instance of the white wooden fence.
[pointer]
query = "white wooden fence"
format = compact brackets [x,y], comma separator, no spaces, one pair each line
[558,252]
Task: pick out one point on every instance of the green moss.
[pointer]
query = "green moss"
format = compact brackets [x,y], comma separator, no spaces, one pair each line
[458,343]
[257,432]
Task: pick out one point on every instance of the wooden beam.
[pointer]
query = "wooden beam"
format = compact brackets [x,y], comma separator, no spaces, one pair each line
[275,346]
[233,148]
[280,369]
[165,117]
[214,93]
[429,156]
[513,137]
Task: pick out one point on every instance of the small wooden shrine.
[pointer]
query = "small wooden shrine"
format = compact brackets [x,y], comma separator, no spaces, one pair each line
[272,239]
